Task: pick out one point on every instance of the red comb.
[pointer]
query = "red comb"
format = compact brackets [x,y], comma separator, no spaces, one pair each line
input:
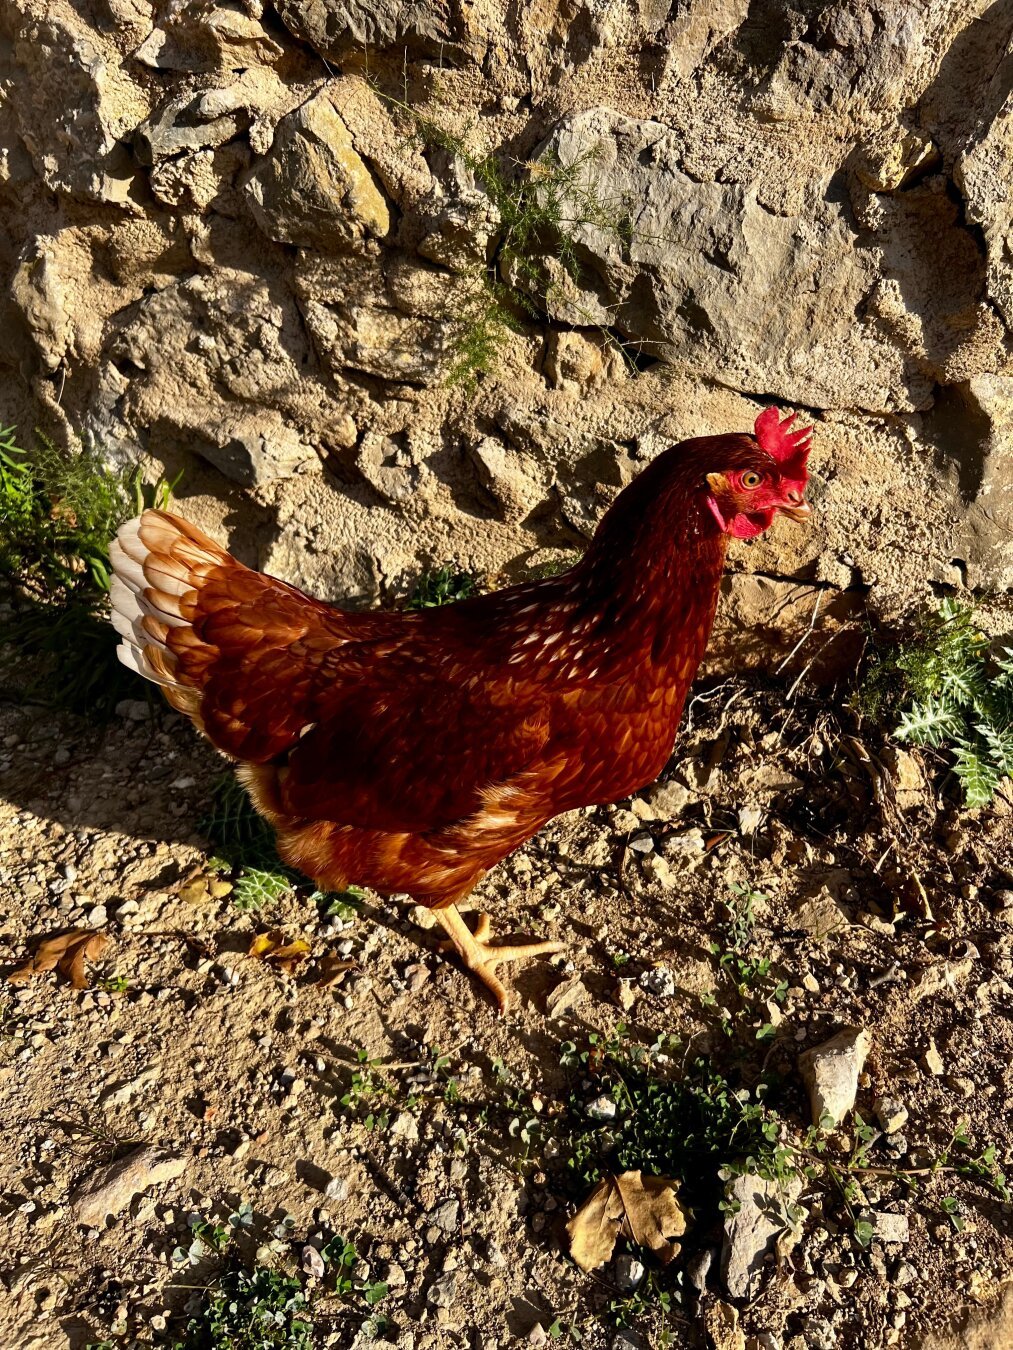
[789,448]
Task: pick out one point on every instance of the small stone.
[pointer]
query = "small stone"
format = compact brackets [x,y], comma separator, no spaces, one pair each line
[312,1262]
[830,1072]
[889,1227]
[891,1114]
[393,1275]
[642,843]
[110,1189]
[757,1222]
[904,1274]
[447,1216]
[658,980]
[657,867]
[336,1189]
[932,1060]
[602,1108]
[97,916]
[133,709]
[698,1269]
[537,1335]
[668,799]
[442,1292]
[628,1272]
[566,995]
[750,819]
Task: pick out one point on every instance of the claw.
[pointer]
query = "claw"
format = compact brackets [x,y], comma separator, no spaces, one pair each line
[482,957]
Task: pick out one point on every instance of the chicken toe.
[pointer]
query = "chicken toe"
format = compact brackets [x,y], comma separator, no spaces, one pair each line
[482,957]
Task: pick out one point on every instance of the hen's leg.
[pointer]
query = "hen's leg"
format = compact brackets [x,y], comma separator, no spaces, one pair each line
[482,957]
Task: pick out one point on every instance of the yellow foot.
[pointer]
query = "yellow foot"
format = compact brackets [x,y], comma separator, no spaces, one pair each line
[482,957]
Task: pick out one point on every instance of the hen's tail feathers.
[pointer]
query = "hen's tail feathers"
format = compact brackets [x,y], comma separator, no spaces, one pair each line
[159,563]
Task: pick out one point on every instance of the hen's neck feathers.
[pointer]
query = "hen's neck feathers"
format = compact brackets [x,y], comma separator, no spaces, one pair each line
[652,571]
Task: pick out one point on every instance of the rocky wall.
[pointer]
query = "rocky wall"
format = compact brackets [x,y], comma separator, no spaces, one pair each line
[227,248]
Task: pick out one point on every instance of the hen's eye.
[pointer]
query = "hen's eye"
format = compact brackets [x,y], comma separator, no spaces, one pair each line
[751,479]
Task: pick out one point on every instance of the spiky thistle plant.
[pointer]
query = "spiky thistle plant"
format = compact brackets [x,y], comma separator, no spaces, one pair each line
[947,690]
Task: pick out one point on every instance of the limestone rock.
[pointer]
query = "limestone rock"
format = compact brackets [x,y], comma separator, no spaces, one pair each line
[576,362]
[515,479]
[388,466]
[764,1217]
[329,25]
[891,1113]
[701,273]
[193,122]
[820,915]
[830,1073]
[72,106]
[457,220]
[358,322]
[255,449]
[313,189]
[109,1190]
[192,38]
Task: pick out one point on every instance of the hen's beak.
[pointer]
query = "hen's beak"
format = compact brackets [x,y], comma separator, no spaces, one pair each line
[799,511]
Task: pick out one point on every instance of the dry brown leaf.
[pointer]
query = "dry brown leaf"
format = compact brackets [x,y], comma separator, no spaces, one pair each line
[200,889]
[67,953]
[274,946]
[331,968]
[643,1209]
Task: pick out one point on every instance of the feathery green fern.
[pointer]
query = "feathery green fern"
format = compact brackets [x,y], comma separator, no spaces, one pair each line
[58,512]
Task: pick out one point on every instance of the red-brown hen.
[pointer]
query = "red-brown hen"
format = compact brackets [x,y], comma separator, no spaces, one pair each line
[411,752]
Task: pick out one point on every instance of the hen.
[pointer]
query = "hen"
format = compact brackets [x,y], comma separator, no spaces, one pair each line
[410,752]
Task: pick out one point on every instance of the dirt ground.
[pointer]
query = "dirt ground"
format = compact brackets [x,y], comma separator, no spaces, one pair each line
[882,905]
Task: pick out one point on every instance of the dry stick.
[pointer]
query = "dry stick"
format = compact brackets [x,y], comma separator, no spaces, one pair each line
[802,640]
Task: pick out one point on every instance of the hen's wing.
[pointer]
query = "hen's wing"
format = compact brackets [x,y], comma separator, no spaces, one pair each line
[371,719]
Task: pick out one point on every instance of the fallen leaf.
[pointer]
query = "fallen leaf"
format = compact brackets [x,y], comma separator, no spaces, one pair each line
[67,953]
[275,947]
[200,889]
[643,1209]
[331,969]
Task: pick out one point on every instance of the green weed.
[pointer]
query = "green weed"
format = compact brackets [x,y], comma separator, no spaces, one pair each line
[943,689]
[259,1309]
[369,1093]
[688,1125]
[748,971]
[539,207]
[58,513]
[441,586]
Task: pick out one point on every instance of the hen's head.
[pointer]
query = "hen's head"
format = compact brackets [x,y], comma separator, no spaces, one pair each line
[764,475]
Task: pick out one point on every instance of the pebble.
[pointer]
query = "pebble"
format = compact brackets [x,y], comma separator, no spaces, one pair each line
[658,980]
[830,1072]
[602,1108]
[628,1272]
[932,1060]
[642,843]
[905,1273]
[97,916]
[537,1335]
[891,1113]
[889,1227]
[393,1275]
[447,1216]
[442,1292]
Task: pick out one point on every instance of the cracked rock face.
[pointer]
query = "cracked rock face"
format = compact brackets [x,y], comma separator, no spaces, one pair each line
[227,247]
